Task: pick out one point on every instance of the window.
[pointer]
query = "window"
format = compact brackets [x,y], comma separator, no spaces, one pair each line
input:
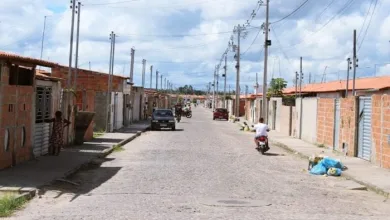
[21,76]
[23,137]
[43,104]
[162,113]
[6,140]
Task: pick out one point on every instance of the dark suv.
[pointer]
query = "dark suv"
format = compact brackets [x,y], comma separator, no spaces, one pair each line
[163,118]
[221,113]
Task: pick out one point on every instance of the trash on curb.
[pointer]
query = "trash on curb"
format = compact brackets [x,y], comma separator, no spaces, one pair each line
[322,165]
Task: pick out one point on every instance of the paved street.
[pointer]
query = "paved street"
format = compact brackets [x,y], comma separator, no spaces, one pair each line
[204,170]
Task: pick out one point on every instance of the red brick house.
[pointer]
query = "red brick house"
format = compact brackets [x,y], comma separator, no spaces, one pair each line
[357,125]
[91,95]
[19,109]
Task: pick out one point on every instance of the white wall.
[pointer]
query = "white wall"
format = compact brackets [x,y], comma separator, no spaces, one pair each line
[116,110]
[278,113]
[309,119]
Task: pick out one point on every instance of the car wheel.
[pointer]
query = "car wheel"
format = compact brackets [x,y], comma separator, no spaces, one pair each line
[173,128]
[213,118]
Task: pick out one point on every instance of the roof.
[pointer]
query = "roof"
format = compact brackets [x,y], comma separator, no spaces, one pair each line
[30,60]
[44,75]
[372,83]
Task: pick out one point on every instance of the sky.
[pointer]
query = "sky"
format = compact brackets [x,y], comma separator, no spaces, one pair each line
[185,39]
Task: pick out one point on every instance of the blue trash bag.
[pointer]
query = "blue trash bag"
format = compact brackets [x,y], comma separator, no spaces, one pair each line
[329,163]
[318,169]
[334,172]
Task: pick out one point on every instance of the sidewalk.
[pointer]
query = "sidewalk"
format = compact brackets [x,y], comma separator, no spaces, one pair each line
[359,170]
[34,174]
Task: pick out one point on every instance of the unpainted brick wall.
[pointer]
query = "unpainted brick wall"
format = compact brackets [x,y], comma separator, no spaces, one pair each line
[381,129]
[325,121]
[16,113]
[347,124]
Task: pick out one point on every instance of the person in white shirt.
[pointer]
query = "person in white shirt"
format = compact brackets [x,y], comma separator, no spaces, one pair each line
[261,130]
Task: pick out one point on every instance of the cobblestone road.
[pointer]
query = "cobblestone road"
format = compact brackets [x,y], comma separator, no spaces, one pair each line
[205,170]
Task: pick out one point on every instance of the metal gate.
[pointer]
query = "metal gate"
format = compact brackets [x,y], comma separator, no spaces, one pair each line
[336,125]
[43,105]
[364,142]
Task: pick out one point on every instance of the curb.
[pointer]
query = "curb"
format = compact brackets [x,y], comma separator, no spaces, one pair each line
[346,175]
[30,193]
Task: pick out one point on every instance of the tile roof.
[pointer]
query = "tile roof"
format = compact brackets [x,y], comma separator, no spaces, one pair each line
[372,83]
[42,74]
[30,60]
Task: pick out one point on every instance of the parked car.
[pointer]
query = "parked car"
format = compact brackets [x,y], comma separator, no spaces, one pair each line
[163,118]
[221,113]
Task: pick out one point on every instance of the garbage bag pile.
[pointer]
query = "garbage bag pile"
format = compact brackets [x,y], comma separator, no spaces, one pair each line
[326,166]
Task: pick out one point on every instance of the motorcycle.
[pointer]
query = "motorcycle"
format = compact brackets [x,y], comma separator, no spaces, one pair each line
[262,144]
[178,117]
[188,114]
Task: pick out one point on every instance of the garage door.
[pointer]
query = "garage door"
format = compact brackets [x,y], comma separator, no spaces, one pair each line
[364,148]
[42,130]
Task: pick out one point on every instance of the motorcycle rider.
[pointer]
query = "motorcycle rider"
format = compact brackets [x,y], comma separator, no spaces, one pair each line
[261,130]
[178,110]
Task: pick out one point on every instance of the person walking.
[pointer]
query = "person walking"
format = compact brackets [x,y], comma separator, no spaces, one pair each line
[57,135]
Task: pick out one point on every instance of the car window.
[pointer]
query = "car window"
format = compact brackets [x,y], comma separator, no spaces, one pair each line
[222,110]
[162,113]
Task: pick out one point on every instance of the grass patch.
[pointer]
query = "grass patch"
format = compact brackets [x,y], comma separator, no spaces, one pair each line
[321,145]
[98,134]
[118,148]
[9,203]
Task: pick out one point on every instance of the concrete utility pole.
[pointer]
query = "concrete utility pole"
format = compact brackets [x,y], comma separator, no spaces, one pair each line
[43,35]
[224,83]
[161,87]
[132,53]
[355,60]
[348,68]
[77,45]
[151,76]
[217,85]
[165,84]
[156,80]
[300,95]
[296,84]
[215,73]
[73,7]
[238,30]
[143,72]
[89,65]
[108,97]
[266,44]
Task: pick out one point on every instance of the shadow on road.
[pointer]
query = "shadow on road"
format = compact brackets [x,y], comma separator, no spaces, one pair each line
[273,154]
[84,181]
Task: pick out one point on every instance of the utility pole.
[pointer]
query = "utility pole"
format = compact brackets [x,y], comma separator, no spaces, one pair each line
[266,44]
[296,84]
[143,72]
[348,68]
[217,85]
[215,72]
[151,76]
[132,53]
[77,45]
[156,80]
[161,87]
[300,95]
[309,78]
[73,7]
[224,83]
[43,35]
[355,60]
[89,65]
[246,91]
[238,30]
[165,84]
[108,97]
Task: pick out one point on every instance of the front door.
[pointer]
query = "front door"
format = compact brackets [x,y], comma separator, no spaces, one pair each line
[43,104]
[364,137]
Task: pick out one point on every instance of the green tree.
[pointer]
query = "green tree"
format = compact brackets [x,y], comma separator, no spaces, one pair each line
[276,87]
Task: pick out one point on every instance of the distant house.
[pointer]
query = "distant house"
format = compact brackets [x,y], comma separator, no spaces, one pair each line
[358,126]
[27,97]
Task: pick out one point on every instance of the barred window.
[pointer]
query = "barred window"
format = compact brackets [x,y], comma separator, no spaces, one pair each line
[43,104]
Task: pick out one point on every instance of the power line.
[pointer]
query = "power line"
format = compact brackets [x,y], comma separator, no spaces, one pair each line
[322,12]
[111,3]
[252,42]
[293,12]
[340,12]
[365,19]
[368,26]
